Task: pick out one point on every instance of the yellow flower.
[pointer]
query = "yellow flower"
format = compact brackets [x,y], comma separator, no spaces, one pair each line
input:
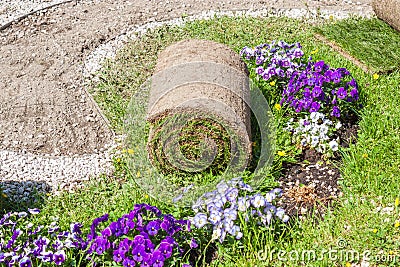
[365,156]
[331,17]
[138,174]
[397,224]
[272,83]
[314,51]
[130,151]
[281,153]
[348,264]
[118,160]
[278,106]
[146,196]
[375,230]
[375,76]
[396,202]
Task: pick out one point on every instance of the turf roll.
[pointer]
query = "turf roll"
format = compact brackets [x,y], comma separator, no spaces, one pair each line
[199,110]
[389,11]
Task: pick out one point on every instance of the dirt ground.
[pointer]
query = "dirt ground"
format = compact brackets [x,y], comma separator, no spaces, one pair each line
[43,108]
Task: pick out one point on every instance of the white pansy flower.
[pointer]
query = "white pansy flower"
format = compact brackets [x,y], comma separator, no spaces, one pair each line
[258,201]
[327,122]
[314,131]
[270,196]
[314,116]
[334,145]
[243,204]
[216,233]
[323,136]
[314,140]
[323,129]
[307,127]
[303,142]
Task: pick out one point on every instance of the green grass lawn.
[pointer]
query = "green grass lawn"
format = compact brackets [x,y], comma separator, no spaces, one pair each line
[370,169]
[372,41]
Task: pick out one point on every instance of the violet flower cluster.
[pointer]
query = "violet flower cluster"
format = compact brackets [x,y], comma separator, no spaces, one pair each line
[315,131]
[221,210]
[308,86]
[143,237]
[310,89]
[320,88]
[275,61]
[22,244]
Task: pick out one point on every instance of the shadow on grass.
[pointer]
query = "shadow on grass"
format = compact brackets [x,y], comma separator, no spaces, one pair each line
[17,196]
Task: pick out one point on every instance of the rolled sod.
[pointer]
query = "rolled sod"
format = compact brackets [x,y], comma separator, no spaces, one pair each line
[389,11]
[198,110]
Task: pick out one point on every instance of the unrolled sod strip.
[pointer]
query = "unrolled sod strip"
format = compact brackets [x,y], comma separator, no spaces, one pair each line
[389,11]
[199,110]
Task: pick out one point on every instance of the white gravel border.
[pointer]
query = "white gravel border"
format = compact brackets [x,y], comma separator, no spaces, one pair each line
[21,174]
[93,62]
[15,10]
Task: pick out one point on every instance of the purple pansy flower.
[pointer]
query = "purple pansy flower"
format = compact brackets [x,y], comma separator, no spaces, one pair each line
[319,66]
[149,246]
[354,94]
[271,71]
[139,253]
[128,263]
[341,93]
[298,53]
[336,76]
[193,243]
[315,106]
[138,240]
[158,259]
[335,112]
[46,256]
[59,257]
[317,91]
[153,227]
[165,249]
[25,262]
[259,60]
[118,255]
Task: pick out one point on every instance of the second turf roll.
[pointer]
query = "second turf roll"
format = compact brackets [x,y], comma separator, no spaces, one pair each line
[389,11]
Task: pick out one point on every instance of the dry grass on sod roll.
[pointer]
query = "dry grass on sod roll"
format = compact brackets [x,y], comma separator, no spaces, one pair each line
[364,217]
[389,11]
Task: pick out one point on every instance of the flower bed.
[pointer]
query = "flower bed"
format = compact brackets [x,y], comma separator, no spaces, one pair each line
[319,106]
